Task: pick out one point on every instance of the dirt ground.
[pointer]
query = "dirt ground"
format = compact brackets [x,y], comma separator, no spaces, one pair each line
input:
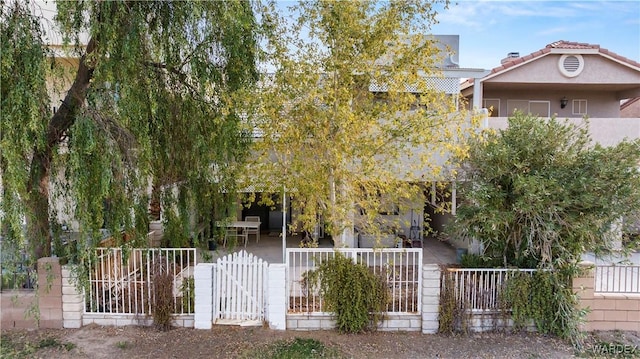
[236,342]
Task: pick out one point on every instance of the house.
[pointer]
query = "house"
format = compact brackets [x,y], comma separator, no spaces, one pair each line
[567,80]
[404,167]
[273,215]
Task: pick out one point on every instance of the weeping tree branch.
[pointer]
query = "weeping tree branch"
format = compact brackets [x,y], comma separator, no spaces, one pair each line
[170,69]
[64,118]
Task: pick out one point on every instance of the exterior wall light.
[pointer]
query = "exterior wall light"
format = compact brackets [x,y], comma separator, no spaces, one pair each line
[563,102]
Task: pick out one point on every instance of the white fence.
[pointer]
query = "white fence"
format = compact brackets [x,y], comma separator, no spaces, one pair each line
[239,288]
[121,281]
[478,290]
[402,268]
[617,279]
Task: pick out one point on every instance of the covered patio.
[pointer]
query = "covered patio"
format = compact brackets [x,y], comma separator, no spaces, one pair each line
[269,248]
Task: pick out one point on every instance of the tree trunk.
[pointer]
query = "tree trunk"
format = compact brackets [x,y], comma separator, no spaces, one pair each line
[38,225]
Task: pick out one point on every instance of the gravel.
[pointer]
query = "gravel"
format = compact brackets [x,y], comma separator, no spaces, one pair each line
[237,342]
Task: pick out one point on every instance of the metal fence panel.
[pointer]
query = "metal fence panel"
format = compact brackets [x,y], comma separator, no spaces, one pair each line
[479,289]
[622,279]
[121,281]
[402,269]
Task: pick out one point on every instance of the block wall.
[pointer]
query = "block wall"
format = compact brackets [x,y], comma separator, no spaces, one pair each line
[606,311]
[40,308]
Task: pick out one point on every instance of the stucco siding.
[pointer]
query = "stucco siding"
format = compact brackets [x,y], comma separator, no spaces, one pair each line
[599,103]
[597,70]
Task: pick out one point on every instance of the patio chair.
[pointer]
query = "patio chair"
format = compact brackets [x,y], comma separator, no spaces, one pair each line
[253,230]
[233,232]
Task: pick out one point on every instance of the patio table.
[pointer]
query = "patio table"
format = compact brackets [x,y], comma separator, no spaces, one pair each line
[239,224]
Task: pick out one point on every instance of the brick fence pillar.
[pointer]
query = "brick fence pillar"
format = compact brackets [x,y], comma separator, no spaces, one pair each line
[430,298]
[277,296]
[50,293]
[583,286]
[72,300]
[203,300]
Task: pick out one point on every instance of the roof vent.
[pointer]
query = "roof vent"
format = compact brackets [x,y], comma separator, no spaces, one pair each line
[571,65]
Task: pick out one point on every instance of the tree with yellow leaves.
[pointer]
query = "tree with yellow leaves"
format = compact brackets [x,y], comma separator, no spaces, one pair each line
[350,119]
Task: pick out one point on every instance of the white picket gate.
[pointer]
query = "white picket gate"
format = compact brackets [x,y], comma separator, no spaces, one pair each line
[239,287]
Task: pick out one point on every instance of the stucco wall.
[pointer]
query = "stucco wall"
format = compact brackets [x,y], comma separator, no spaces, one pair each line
[605,131]
[599,103]
[597,70]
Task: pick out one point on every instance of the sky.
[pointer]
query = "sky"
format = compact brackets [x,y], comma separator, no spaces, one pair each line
[489,30]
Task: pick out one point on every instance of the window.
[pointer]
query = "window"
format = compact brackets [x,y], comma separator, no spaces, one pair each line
[519,105]
[537,108]
[493,105]
[579,107]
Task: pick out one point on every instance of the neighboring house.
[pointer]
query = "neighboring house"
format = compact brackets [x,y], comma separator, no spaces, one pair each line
[567,80]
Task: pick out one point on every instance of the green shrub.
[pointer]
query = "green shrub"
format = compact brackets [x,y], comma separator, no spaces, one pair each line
[187,289]
[546,299]
[353,292]
[298,348]
[477,261]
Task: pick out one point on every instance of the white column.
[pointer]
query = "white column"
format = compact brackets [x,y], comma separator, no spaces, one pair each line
[430,298]
[477,94]
[72,300]
[277,296]
[203,301]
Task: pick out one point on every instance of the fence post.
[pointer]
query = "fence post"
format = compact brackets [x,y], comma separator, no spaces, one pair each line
[583,286]
[277,296]
[430,298]
[72,301]
[49,293]
[203,300]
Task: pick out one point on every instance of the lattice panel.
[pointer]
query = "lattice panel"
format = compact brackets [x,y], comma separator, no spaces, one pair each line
[448,85]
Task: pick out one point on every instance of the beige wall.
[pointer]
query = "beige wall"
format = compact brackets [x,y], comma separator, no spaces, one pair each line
[14,309]
[605,131]
[24,310]
[599,103]
[606,311]
[597,70]
[602,82]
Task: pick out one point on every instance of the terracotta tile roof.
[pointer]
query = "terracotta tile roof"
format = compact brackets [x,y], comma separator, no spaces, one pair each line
[572,45]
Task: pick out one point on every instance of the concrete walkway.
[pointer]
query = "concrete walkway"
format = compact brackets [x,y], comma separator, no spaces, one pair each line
[436,251]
